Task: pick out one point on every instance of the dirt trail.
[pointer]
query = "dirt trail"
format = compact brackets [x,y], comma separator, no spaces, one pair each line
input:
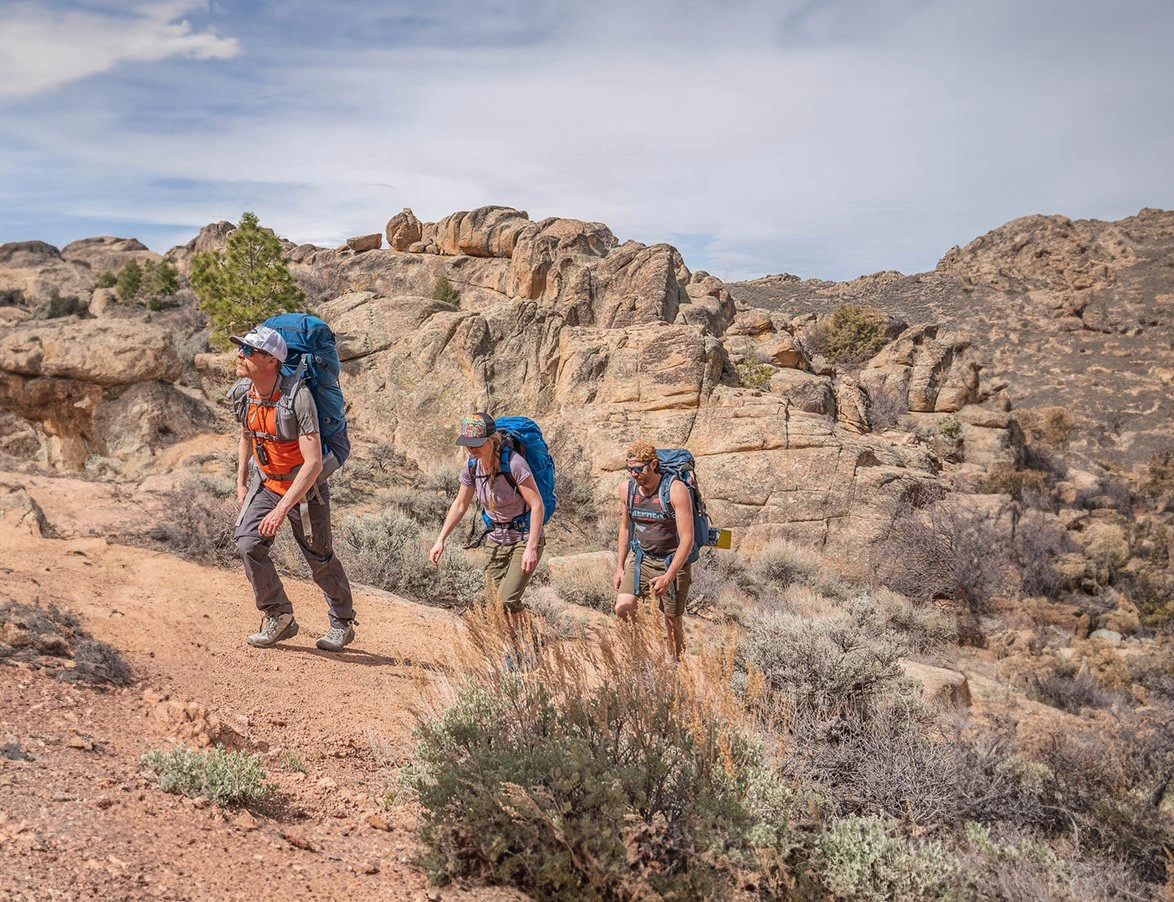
[77,819]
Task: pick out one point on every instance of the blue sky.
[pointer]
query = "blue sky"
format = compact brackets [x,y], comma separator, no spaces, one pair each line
[827,139]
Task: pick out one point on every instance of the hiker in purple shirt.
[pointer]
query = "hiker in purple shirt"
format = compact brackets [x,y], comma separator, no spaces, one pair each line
[514,548]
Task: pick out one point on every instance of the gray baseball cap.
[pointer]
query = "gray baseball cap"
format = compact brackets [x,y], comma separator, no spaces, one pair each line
[262,338]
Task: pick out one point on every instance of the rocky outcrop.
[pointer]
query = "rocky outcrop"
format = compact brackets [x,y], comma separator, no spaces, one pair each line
[1062,313]
[106,253]
[212,237]
[933,372]
[403,230]
[603,341]
[362,243]
[34,275]
[93,393]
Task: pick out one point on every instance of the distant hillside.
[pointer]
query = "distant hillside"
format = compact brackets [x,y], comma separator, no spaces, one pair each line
[1072,313]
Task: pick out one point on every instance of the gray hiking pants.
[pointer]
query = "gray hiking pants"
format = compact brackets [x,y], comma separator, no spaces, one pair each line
[325,567]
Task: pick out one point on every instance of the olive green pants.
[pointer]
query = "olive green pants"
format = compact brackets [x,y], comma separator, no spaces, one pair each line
[672,604]
[503,570]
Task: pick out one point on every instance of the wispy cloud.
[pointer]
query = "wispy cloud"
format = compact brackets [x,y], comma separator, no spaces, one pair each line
[45,47]
[826,139]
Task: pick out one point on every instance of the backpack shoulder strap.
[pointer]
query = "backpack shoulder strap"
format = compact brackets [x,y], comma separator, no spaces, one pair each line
[666,486]
[506,453]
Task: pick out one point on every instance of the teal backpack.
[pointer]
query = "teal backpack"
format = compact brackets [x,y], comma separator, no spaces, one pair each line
[521,435]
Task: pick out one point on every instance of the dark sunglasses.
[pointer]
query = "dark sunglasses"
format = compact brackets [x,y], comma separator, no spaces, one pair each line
[637,469]
[249,351]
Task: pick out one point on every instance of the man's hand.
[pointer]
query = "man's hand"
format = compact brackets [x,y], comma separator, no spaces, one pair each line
[272,522]
[436,552]
[618,578]
[242,491]
[659,585]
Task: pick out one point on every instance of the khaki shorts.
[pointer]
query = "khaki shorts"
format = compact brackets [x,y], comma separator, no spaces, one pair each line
[673,604]
[503,570]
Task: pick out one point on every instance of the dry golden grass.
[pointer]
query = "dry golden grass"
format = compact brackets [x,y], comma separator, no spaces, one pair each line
[630,656]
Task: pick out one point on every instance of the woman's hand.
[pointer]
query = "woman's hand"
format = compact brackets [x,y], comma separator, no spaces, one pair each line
[529,559]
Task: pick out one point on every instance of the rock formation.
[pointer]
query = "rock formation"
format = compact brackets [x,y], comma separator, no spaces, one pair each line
[601,340]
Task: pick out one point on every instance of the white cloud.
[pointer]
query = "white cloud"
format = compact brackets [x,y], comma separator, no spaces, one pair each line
[44,48]
[796,137]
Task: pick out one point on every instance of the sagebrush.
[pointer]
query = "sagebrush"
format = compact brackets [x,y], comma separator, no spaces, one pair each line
[227,778]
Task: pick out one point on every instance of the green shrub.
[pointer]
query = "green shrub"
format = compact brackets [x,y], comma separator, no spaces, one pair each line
[920,627]
[851,334]
[106,280]
[568,786]
[859,858]
[820,667]
[444,290]
[130,279]
[227,778]
[950,428]
[390,552]
[754,375]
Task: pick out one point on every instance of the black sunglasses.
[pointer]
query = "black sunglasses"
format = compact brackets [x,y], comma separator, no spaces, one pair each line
[637,469]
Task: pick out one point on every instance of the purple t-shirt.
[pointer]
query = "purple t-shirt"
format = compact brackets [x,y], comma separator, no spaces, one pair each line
[507,501]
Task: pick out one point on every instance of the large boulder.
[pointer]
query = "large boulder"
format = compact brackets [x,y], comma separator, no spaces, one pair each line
[403,230]
[548,254]
[484,232]
[637,284]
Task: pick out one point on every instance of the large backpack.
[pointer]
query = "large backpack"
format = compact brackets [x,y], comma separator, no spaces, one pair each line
[677,464]
[313,359]
[521,435]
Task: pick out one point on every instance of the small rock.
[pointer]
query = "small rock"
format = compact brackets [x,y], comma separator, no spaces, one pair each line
[378,822]
[1111,636]
[200,802]
[371,868]
[103,803]
[245,821]
[78,742]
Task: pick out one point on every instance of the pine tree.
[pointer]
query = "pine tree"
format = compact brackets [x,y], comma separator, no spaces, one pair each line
[247,283]
[129,280]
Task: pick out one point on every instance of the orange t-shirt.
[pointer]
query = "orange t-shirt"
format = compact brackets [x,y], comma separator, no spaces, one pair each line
[282,456]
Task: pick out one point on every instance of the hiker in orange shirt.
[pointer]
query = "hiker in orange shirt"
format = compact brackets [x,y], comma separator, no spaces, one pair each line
[277,480]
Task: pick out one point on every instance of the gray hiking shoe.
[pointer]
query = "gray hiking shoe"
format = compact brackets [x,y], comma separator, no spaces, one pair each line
[336,638]
[273,630]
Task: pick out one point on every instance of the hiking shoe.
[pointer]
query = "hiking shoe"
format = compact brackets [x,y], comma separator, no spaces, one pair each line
[273,630]
[336,638]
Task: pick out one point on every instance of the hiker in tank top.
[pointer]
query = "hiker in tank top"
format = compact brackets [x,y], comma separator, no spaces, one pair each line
[514,546]
[665,537]
[280,459]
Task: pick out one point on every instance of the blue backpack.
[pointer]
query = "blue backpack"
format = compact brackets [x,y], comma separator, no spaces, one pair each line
[521,435]
[313,358]
[676,464]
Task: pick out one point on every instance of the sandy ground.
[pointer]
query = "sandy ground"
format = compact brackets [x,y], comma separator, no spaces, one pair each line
[79,820]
